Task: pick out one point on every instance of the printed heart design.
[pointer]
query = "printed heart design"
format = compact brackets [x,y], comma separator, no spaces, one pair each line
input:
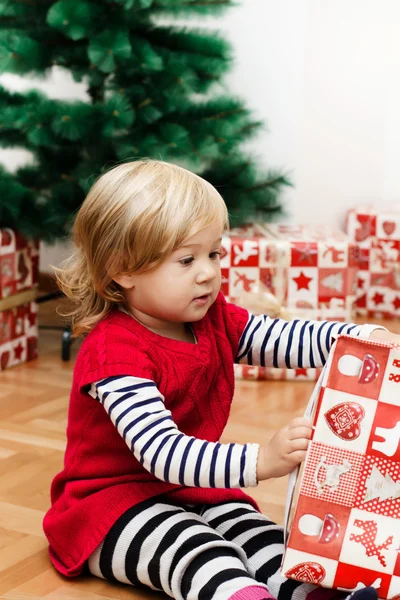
[389,227]
[344,420]
[310,572]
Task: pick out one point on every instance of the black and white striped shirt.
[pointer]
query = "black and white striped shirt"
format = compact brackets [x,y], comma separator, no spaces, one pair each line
[137,408]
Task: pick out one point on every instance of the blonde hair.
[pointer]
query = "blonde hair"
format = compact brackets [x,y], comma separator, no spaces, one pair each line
[133,217]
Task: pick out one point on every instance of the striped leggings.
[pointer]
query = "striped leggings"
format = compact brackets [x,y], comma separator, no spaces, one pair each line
[221,552]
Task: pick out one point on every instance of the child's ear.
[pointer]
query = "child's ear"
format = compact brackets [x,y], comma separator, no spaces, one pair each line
[125,281]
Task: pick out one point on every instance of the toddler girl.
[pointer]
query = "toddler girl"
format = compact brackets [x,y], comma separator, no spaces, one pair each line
[148,495]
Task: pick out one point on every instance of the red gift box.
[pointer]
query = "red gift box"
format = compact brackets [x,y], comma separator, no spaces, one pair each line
[18,335]
[311,270]
[19,262]
[345,529]
[377,231]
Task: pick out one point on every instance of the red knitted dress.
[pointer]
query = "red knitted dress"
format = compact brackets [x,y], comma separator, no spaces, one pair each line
[101,477]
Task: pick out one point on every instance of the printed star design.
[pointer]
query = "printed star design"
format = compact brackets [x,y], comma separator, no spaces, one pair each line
[18,350]
[302,281]
[300,372]
[396,303]
[378,298]
[360,282]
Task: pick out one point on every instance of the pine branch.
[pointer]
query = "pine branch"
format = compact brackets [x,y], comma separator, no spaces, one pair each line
[189,4]
[151,97]
[96,93]
[270,183]
[33,2]
[212,7]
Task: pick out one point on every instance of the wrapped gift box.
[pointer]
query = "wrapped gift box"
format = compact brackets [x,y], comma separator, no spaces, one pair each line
[19,260]
[311,270]
[377,231]
[345,528]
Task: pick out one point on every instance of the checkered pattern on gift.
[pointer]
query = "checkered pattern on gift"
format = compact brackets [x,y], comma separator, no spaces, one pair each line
[18,335]
[347,513]
[19,263]
[378,490]
[306,268]
[332,474]
[310,270]
[377,231]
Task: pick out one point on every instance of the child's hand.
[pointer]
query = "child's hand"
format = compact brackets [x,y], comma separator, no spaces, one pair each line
[285,450]
[386,336]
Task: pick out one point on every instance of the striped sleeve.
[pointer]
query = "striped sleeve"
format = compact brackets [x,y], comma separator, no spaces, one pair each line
[137,410]
[294,344]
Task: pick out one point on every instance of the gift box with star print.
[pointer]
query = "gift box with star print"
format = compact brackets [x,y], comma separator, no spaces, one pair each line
[377,231]
[19,260]
[311,270]
[344,530]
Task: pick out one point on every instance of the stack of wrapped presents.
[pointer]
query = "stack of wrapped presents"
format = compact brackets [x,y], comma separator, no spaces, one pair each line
[377,232]
[310,271]
[286,271]
[19,260]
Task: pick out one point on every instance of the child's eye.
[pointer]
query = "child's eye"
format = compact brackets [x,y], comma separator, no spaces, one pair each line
[215,254]
[187,261]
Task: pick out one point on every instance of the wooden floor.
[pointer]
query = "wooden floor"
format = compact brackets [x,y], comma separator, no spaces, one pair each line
[33,408]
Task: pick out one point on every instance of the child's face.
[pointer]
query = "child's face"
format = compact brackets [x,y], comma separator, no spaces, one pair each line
[183,287]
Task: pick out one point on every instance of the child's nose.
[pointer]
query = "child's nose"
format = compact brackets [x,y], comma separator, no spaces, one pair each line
[207,273]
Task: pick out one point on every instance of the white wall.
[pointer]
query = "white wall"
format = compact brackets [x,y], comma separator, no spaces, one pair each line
[325,76]
[349,128]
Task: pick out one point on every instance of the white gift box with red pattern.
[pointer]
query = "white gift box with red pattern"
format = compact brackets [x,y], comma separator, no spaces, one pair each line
[345,528]
[19,259]
[311,270]
[377,231]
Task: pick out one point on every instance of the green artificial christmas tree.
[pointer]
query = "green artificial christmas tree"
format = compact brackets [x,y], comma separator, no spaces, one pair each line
[151,95]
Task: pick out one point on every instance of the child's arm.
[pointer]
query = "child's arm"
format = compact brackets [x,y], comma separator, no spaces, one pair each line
[293,344]
[137,410]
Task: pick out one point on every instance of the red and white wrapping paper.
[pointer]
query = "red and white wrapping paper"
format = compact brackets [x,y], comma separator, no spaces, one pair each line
[345,530]
[18,335]
[311,270]
[19,262]
[377,231]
